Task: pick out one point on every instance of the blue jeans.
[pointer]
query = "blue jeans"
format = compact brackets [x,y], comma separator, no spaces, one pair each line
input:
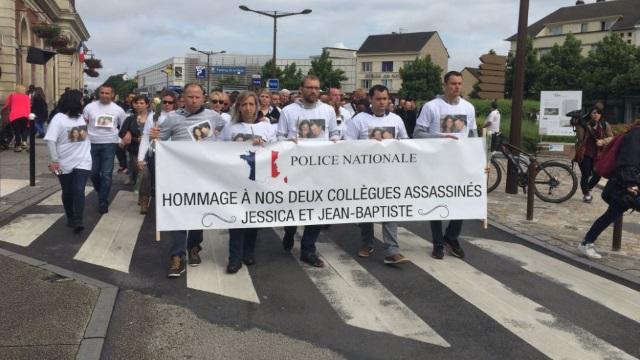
[242,243]
[183,239]
[39,123]
[612,213]
[451,233]
[73,185]
[309,237]
[102,156]
[389,236]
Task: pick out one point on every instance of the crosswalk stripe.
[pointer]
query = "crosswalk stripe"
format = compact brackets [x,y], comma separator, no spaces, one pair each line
[532,322]
[56,199]
[616,297]
[361,300]
[113,239]
[211,276]
[8,186]
[24,229]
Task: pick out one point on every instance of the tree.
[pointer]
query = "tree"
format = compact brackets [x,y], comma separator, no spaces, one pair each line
[474,94]
[291,77]
[322,67]
[531,69]
[267,72]
[229,80]
[421,79]
[562,67]
[611,69]
[120,86]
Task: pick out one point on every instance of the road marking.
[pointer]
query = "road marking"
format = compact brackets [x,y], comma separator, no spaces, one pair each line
[211,276]
[56,199]
[8,186]
[113,239]
[616,297]
[361,300]
[24,229]
[555,337]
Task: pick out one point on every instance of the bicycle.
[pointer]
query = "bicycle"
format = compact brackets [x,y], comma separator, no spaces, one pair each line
[554,181]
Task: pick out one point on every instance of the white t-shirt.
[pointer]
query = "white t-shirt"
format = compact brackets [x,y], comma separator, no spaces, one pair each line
[72,142]
[494,117]
[241,131]
[443,118]
[369,126]
[103,122]
[316,122]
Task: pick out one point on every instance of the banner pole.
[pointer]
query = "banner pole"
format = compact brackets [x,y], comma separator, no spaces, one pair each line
[487,146]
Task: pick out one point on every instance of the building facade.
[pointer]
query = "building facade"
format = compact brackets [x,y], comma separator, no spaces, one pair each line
[17,19]
[343,59]
[381,57]
[470,77]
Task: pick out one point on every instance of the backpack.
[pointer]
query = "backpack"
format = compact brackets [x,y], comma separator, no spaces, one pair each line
[605,163]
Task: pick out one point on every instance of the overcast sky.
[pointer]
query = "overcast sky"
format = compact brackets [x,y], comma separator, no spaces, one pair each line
[130,35]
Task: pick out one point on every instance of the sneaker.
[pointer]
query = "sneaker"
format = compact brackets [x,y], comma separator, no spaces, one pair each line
[17,149]
[194,257]
[587,198]
[395,259]
[438,252]
[454,248]
[312,259]
[121,169]
[365,250]
[589,251]
[287,243]
[177,266]
[234,266]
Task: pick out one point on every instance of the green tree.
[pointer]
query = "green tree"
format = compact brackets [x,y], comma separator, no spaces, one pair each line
[421,79]
[267,72]
[531,70]
[562,67]
[120,86]
[322,67]
[229,80]
[611,69]
[474,94]
[291,77]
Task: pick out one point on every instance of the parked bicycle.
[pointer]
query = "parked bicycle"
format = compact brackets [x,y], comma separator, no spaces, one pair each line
[554,181]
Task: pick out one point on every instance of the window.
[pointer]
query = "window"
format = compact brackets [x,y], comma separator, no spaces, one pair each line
[365,84]
[555,30]
[542,51]
[366,66]
[629,34]
[584,27]
[387,66]
[628,41]
[621,34]
[606,25]
[388,84]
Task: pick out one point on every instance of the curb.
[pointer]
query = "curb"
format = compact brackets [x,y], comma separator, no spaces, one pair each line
[44,191]
[566,254]
[96,331]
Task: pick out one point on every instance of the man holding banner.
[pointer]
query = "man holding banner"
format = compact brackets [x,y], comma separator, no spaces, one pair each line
[363,126]
[310,109]
[180,125]
[429,124]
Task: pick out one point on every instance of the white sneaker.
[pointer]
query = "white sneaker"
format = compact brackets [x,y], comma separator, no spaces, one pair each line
[587,198]
[589,251]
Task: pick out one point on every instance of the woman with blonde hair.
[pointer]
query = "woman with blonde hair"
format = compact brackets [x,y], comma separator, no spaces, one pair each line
[18,105]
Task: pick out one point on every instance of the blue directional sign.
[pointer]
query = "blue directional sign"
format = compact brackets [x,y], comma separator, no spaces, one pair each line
[256,80]
[201,72]
[228,70]
[273,84]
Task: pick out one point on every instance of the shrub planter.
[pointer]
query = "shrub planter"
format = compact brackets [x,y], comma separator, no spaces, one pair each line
[93,63]
[91,72]
[46,31]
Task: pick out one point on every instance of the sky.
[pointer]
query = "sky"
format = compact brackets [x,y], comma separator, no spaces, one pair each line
[131,35]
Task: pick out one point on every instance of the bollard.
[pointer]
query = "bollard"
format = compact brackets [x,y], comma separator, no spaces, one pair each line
[32,150]
[616,244]
[531,174]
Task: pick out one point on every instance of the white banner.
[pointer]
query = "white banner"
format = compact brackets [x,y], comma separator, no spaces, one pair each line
[554,106]
[220,185]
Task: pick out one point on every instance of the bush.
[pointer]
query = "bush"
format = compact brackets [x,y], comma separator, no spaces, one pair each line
[529,108]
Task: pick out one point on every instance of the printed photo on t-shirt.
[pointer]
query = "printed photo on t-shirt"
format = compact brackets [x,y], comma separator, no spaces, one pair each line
[200,131]
[104,121]
[453,124]
[382,132]
[311,129]
[240,137]
[76,134]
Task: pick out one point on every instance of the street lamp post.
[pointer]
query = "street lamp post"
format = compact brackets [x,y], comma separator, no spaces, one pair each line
[275,15]
[208,53]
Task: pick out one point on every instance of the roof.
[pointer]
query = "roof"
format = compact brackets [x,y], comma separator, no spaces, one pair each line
[394,43]
[474,71]
[629,8]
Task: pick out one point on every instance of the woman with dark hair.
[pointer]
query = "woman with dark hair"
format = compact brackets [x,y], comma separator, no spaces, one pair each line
[39,108]
[592,136]
[70,159]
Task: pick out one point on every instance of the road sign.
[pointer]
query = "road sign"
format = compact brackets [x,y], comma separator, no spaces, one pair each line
[492,76]
[228,70]
[273,84]
[493,59]
[201,72]
[256,80]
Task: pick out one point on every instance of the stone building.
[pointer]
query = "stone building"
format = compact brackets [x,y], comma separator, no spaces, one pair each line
[17,20]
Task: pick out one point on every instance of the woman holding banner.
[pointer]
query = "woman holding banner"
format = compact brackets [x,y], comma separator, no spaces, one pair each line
[242,242]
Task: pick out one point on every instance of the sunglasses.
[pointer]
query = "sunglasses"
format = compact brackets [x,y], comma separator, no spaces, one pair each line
[221,102]
[167,102]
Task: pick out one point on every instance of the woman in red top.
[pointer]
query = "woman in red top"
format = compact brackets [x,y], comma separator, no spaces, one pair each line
[19,107]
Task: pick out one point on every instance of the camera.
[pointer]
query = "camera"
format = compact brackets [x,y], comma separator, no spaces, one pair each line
[578,119]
